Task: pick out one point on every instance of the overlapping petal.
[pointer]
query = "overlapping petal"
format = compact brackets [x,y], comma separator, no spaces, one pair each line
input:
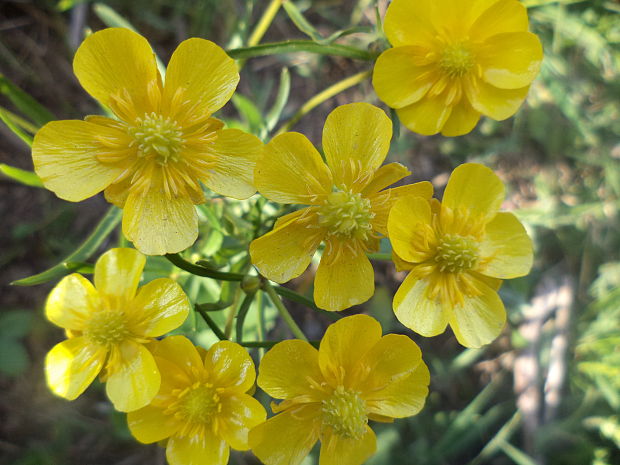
[238,415]
[230,366]
[382,202]
[416,311]
[426,116]
[150,424]
[71,302]
[501,16]
[408,23]
[180,352]
[161,306]
[117,274]
[462,120]
[197,450]
[339,450]
[385,176]
[409,219]
[492,101]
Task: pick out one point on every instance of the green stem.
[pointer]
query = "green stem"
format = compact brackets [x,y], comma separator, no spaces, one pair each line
[380,256]
[269,344]
[180,262]
[301,299]
[205,316]
[296,46]
[264,22]
[284,313]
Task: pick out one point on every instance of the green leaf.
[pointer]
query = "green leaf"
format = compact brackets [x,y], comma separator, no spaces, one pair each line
[249,112]
[25,177]
[296,46]
[301,22]
[273,116]
[7,119]
[82,253]
[27,105]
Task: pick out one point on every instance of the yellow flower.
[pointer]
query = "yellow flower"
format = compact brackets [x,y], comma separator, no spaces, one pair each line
[202,406]
[347,204]
[330,394]
[454,60]
[458,253]
[107,326]
[152,160]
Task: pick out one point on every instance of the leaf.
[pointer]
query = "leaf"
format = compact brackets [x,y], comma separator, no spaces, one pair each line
[273,116]
[301,22]
[27,105]
[25,177]
[250,113]
[7,119]
[295,46]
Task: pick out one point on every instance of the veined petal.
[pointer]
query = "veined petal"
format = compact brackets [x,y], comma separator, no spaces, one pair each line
[356,140]
[240,413]
[416,311]
[150,424]
[427,116]
[135,380]
[292,171]
[409,229]
[72,365]
[492,101]
[230,366]
[117,193]
[284,219]
[118,272]
[284,253]
[160,307]
[462,120]
[71,302]
[64,154]
[501,16]
[197,450]
[339,450]
[382,202]
[290,369]
[343,262]
[157,224]
[385,176]
[235,154]
[179,351]
[206,74]
[506,249]
[408,23]
[115,60]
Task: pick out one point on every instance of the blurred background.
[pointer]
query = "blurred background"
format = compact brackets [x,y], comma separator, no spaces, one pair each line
[546,392]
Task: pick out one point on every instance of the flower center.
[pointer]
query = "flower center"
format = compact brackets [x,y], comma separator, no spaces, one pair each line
[198,404]
[107,327]
[157,136]
[456,60]
[346,215]
[345,412]
[456,253]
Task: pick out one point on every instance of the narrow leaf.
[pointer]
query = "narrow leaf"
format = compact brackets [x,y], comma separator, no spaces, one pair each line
[25,177]
[273,116]
[295,46]
[27,105]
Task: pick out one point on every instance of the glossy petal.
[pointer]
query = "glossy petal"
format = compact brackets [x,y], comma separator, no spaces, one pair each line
[240,413]
[71,302]
[382,202]
[236,153]
[64,156]
[501,16]
[461,121]
[281,221]
[230,366]
[135,380]
[427,116]
[408,218]
[118,272]
[385,176]
[162,306]
[288,370]
[158,225]
[118,192]
[356,139]
[150,424]
[506,248]
[416,311]
[72,365]
[408,23]
[116,59]
[341,264]
[492,101]
[338,450]
[197,450]
[292,171]
[179,351]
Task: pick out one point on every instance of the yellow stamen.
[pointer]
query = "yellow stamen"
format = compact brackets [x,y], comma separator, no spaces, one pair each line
[345,412]
[107,327]
[157,136]
[346,215]
[456,253]
[456,60]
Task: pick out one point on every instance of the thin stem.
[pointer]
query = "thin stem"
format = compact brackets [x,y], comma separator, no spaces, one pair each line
[180,262]
[284,313]
[269,344]
[324,96]
[260,327]
[264,22]
[301,299]
[297,46]
[205,316]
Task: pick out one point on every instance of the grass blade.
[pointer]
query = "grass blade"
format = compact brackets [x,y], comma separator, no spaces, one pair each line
[22,176]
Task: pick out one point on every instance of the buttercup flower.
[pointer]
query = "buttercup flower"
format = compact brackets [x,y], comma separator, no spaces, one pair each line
[348,207]
[330,394]
[152,160]
[202,406]
[454,60]
[457,253]
[107,326]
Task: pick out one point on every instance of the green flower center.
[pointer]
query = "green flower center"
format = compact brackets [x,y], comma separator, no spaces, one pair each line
[456,253]
[345,412]
[157,136]
[107,327]
[456,60]
[346,215]
[199,403]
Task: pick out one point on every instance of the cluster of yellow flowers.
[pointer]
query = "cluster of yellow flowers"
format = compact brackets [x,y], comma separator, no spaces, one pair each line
[452,61]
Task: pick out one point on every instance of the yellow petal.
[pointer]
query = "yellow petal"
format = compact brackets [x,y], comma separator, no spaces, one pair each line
[339,450]
[160,307]
[426,116]
[343,262]
[501,16]
[235,155]
[492,101]
[382,202]
[64,156]
[506,248]
[346,342]
[408,23]
[480,319]
[158,225]
[179,351]
[292,171]
[134,382]
[400,264]
[71,302]
[284,219]
[150,424]
[462,120]
[385,176]
[115,60]
[117,193]
[197,450]
[118,272]
[356,139]
[288,437]
[239,414]
[286,252]
[287,369]
[416,311]
[230,366]
[408,223]
[400,76]
[207,75]
[72,365]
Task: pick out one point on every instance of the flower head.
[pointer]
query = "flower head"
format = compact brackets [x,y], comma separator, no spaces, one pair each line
[454,60]
[347,210]
[330,394]
[151,159]
[108,326]
[457,253]
[202,407]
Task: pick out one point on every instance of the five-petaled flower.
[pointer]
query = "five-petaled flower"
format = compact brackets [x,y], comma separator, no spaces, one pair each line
[330,394]
[203,407]
[152,159]
[457,253]
[348,207]
[454,60]
[108,326]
